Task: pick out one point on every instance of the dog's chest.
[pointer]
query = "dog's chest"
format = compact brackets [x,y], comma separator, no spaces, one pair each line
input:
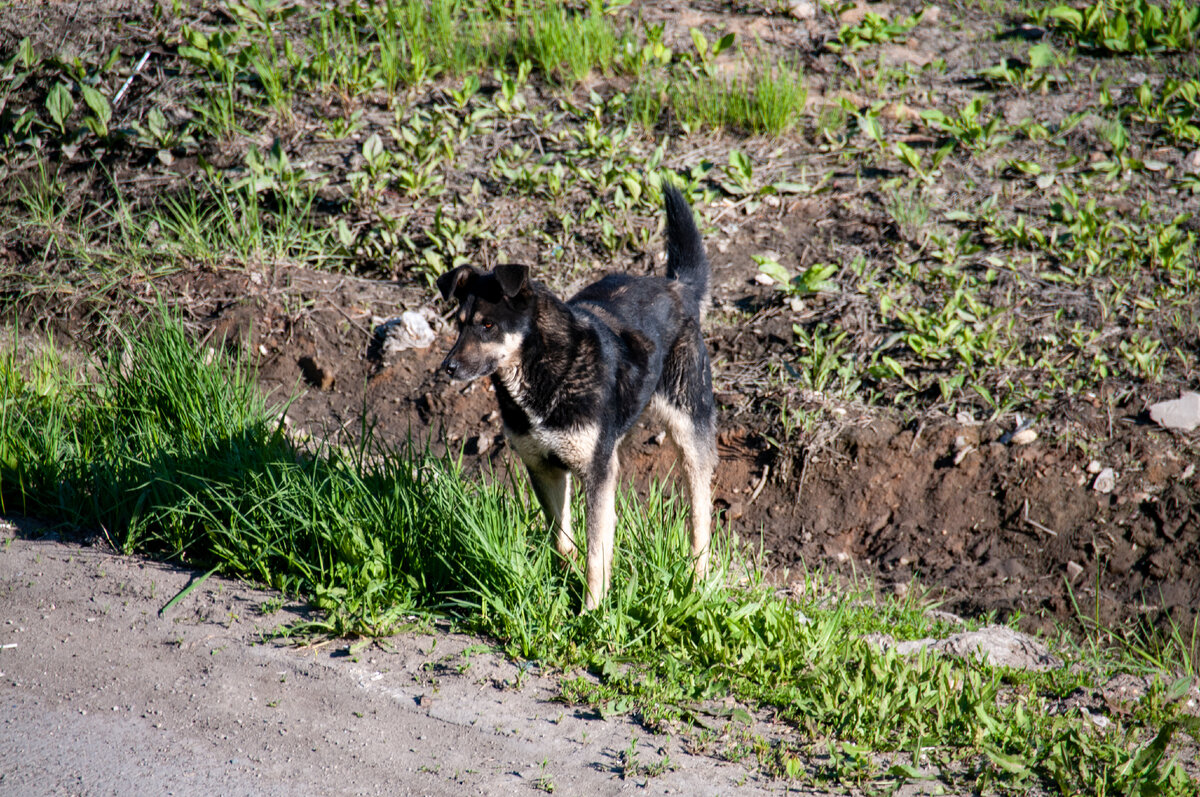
[540,446]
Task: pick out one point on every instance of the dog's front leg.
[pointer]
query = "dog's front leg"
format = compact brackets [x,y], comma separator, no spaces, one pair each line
[552,486]
[601,499]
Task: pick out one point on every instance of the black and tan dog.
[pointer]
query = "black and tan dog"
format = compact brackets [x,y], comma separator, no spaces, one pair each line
[573,377]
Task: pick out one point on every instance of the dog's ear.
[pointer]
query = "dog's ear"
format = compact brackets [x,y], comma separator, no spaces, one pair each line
[450,282]
[512,278]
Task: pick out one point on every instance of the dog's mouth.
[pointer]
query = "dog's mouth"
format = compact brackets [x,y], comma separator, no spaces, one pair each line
[464,370]
[470,359]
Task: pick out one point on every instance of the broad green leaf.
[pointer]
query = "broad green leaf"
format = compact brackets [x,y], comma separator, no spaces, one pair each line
[99,106]
[1070,16]
[1041,56]
[723,43]
[775,272]
[60,105]
[372,148]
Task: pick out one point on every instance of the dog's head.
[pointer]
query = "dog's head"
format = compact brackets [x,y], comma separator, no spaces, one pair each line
[493,318]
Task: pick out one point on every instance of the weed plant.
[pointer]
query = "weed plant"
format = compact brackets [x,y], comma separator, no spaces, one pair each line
[174,451]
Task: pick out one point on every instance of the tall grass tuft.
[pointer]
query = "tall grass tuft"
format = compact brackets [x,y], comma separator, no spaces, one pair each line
[769,99]
[566,46]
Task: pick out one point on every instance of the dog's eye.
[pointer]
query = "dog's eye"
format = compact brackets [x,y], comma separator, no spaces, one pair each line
[486,324]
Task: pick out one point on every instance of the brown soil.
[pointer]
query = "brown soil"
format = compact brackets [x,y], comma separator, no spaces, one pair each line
[1002,528]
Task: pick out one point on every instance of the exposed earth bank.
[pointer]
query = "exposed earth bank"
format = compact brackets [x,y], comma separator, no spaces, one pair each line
[985,520]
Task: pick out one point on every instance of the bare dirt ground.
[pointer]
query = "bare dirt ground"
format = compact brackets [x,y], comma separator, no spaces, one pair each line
[101,694]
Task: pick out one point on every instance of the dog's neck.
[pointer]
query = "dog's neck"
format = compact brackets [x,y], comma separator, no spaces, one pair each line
[530,379]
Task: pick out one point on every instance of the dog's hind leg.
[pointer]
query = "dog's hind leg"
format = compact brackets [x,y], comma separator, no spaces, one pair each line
[696,439]
[552,486]
[601,486]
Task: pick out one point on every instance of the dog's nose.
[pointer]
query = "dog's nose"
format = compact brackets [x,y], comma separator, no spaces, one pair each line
[451,366]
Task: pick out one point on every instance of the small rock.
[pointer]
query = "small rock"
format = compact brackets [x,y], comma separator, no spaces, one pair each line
[763,279]
[962,454]
[855,15]
[1024,437]
[1094,467]
[1074,570]
[411,330]
[1192,161]
[802,9]
[964,418]
[1002,647]
[999,645]
[1105,481]
[1181,413]
[1016,436]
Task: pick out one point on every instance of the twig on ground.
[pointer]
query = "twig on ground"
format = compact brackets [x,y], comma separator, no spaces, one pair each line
[129,80]
[1034,523]
[762,482]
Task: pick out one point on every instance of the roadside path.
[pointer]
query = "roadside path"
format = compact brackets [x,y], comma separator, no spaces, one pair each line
[101,695]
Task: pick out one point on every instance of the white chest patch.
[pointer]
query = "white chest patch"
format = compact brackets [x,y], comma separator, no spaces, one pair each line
[575,446]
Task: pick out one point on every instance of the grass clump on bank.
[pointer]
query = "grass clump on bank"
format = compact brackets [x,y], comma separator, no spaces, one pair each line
[173,452]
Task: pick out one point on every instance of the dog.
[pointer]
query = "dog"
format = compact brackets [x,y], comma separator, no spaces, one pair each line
[572,378]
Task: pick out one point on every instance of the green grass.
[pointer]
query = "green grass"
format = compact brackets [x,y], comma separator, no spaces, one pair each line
[767,99]
[174,452]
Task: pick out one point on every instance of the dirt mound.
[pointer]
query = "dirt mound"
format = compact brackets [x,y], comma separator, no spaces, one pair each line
[985,523]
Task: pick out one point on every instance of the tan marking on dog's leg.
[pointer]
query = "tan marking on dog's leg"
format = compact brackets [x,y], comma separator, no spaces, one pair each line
[553,490]
[601,532]
[699,452]
[566,537]
[699,479]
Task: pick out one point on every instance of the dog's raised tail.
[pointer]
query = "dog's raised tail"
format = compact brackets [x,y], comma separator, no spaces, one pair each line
[686,260]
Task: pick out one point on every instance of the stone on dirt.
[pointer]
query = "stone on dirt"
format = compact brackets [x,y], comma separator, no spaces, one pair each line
[1181,413]
[999,645]
[411,330]
[1024,437]
[1106,481]
[802,9]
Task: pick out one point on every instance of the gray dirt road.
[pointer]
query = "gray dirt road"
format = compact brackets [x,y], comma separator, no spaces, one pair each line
[99,695]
